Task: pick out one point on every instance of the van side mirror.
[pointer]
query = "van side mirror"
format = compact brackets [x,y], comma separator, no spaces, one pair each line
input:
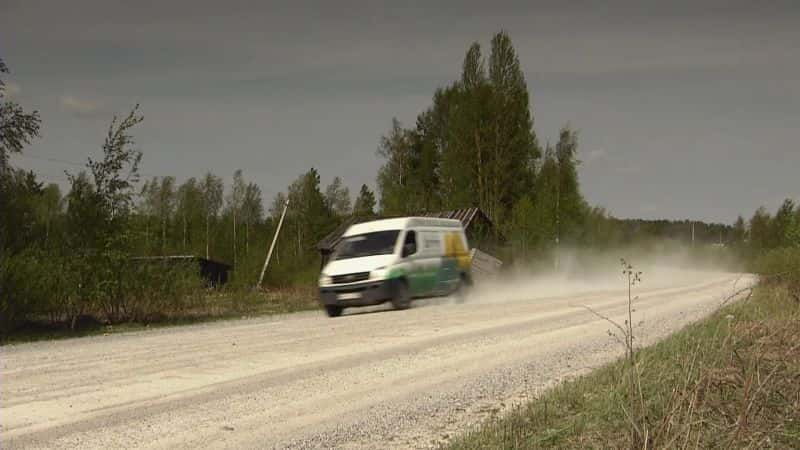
[409,249]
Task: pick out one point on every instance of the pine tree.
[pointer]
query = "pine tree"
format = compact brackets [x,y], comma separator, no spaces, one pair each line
[513,149]
[365,203]
[546,200]
[781,225]
[571,205]
[760,229]
[465,162]
[312,218]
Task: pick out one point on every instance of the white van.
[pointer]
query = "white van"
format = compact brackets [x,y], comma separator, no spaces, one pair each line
[395,260]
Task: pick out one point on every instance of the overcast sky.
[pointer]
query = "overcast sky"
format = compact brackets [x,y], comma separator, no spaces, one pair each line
[686,109]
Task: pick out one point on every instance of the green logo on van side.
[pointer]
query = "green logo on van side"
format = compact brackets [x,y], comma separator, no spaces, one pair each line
[395,272]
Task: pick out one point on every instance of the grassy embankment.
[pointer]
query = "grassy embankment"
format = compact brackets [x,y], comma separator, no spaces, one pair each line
[732,380]
[211,306]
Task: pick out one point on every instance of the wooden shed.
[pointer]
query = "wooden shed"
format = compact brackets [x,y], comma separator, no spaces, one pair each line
[214,272]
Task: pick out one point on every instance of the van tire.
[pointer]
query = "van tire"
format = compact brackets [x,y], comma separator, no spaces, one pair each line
[462,288]
[333,310]
[402,298]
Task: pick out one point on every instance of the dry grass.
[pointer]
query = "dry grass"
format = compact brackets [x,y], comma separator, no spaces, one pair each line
[731,381]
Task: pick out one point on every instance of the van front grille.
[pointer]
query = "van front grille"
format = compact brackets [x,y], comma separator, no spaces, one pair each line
[350,278]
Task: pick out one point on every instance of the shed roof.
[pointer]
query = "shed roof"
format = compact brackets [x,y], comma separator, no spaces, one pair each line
[465,215]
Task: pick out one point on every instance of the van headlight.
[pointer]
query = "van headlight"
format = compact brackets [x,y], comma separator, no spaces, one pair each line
[378,274]
[325,280]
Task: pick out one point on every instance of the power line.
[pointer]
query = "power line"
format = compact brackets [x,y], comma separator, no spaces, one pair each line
[55,160]
[71,163]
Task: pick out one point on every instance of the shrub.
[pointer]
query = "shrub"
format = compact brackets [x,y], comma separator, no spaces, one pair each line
[780,265]
[154,289]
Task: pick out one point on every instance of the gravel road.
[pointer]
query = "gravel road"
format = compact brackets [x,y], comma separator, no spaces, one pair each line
[370,379]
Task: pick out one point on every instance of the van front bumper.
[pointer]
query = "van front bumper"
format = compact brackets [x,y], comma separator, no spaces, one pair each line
[358,294]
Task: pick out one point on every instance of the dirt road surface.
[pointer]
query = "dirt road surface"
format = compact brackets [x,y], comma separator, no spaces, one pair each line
[387,379]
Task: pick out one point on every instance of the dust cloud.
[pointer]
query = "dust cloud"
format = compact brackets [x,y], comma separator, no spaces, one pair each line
[581,271]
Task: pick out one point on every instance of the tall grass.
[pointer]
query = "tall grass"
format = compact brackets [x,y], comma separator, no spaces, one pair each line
[732,380]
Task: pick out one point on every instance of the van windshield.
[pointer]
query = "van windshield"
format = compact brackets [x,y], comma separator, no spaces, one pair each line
[367,244]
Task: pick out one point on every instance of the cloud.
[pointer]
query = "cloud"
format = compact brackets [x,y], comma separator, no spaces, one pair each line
[80,107]
[629,168]
[12,89]
[651,208]
[596,154]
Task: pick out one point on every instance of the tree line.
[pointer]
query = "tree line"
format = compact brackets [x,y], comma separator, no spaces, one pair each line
[68,254]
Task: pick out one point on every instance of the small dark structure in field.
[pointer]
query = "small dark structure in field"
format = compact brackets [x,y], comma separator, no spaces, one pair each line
[479,229]
[214,272]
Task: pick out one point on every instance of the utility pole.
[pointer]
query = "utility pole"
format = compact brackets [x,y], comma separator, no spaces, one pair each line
[693,233]
[272,246]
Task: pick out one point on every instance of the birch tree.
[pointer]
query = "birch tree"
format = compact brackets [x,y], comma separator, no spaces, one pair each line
[211,188]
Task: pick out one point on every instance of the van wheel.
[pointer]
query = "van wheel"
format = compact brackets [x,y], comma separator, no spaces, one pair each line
[402,298]
[462,289]
[333,310]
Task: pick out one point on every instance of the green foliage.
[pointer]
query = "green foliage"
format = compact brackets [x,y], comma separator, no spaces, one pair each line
[760,230]
[365,203]
[310,215]
[514,150]
[739,231]
[571,205]
[337,198]
[704,386]
[546,200]
[252,211]
[235,202]
[524,236]
[308,219]
[396,175]
[190,216]
[475,146]
[50,208]
[21,293]
[211,195]
[780,265]
[17,128]
[115,176]
[782,225]
[153,289]
[793,234]
[19,195]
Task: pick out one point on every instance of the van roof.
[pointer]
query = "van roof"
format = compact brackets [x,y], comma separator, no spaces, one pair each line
[401,224]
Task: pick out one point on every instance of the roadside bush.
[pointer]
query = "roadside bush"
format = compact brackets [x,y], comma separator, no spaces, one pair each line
[158,289]
[38,284]
[20,293]
[47,286]
[780,265]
